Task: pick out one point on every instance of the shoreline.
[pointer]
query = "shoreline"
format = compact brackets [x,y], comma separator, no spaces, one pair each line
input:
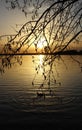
[42,54]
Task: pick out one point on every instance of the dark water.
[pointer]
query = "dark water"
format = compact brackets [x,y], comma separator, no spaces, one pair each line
[17,92]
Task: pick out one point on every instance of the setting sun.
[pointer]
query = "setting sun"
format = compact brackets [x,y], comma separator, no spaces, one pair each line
[41,43]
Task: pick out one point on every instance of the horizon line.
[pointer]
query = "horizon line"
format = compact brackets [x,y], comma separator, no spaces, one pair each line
[55,53]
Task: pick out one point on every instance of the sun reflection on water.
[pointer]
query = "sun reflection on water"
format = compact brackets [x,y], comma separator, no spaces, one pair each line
[41,60]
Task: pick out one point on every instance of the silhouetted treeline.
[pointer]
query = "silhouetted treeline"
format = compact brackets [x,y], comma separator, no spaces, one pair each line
[71,52]
[68,52]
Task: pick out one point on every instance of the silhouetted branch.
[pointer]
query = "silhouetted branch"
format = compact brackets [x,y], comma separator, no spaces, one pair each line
[57,27]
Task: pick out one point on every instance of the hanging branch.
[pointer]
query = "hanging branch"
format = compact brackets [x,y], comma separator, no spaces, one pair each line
[59,25]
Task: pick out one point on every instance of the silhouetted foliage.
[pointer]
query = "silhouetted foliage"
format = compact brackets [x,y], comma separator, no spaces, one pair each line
[57,25]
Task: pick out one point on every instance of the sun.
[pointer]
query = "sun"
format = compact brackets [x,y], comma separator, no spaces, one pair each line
[41,43]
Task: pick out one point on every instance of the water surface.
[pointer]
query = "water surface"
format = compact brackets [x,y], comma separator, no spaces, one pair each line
[17,91]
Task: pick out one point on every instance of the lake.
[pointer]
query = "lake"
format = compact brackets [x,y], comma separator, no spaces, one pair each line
[21,90]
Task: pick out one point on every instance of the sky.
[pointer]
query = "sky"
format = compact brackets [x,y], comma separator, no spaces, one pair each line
[9,19]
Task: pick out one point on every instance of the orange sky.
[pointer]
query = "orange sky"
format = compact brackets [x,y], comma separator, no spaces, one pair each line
[9,19]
